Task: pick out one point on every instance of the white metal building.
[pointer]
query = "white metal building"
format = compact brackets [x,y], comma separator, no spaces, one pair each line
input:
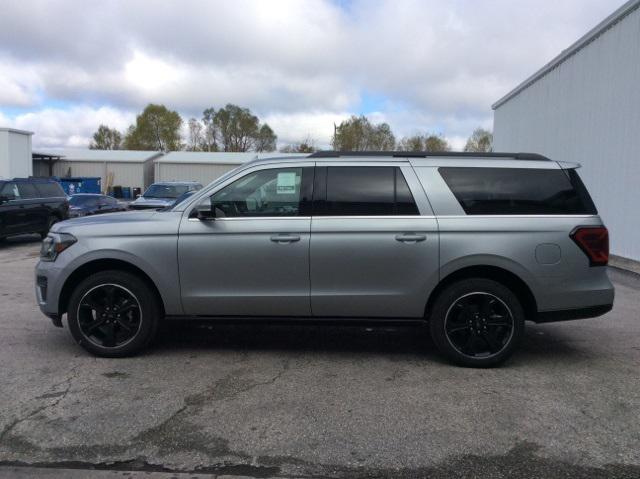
[15,153]
[127,168]
[584,107]
[203,167]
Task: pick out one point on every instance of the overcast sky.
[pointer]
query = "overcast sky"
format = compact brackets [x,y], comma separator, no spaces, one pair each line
[301,65]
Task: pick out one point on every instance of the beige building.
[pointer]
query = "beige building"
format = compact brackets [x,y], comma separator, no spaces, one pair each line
[126,168]
[203,167]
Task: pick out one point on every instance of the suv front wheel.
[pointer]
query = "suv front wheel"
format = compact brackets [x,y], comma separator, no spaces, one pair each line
[113,314]
[477,322]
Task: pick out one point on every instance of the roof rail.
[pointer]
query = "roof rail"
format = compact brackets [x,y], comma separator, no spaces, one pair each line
[426,154]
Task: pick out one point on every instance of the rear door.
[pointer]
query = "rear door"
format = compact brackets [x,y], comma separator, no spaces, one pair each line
[374,242]
[35,207]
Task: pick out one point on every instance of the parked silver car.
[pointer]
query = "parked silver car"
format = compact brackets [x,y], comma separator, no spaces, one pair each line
[163,194]
[473,243]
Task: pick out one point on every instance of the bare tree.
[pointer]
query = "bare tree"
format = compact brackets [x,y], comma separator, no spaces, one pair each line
[196,139]
[481,140]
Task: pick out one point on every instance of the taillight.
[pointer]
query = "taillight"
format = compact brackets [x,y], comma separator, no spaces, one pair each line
[594,241]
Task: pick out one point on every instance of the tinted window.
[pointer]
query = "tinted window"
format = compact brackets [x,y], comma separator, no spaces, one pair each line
[523,191]
[366,191]
[165,191]
[85,201]
[272,192]
[28,190]
[49,190]
[10,190]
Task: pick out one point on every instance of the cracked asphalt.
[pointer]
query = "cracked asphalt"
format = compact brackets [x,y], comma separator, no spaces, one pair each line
[314,402]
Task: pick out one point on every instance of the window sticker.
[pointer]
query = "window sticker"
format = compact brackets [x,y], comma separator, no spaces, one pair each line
[286,183]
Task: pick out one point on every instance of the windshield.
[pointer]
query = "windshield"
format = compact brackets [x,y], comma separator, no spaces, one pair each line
[165,191]
[82,200]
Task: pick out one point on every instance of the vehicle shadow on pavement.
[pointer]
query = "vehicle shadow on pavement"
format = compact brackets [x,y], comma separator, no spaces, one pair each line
[540,344]
[21,240]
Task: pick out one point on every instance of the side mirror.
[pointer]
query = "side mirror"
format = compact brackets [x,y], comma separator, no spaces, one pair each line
[138,195]
[204,212]
[6,198]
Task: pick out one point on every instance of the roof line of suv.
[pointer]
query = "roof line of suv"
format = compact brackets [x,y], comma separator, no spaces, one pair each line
[425,154]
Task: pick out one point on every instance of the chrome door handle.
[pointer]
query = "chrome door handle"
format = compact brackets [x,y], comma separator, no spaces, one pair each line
[285,238]
[410,238]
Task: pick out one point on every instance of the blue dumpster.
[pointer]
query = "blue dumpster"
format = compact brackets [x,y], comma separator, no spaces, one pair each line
[80,184]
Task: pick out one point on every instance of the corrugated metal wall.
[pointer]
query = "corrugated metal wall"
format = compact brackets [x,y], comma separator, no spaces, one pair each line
[587,110]
[204,173]
[124,174]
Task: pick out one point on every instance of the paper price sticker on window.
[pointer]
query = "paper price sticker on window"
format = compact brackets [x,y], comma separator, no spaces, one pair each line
[286,183]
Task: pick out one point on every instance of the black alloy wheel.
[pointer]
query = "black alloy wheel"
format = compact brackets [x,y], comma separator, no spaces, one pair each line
[476,322]
[479,325]
[109,315]
[114,313]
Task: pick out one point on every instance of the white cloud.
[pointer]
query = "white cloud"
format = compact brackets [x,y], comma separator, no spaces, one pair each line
[69,128]
[298,64]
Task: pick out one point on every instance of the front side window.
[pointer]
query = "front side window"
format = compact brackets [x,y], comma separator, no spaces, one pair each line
[366,191]
[271,192]
[518,191]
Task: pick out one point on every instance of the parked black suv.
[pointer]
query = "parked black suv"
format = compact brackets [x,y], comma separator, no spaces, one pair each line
[30,205]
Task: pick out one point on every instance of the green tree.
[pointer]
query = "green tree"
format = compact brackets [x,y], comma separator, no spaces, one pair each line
[480,141]
[436,143]
[359,134]
[427,142]
[411,143]
[106,138]
[238,129]
[210,134]
[266,139]
[305,146]
[156,128]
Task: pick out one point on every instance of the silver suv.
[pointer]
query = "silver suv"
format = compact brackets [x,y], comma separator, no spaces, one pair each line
[475,244]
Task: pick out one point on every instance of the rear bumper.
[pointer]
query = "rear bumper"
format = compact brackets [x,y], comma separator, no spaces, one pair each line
[571,314]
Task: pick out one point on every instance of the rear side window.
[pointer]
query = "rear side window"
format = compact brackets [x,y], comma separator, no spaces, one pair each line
[365,191]
[50,190]
[28,190]
[518,191]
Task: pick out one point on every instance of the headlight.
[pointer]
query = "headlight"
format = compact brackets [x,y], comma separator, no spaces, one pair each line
[54,244]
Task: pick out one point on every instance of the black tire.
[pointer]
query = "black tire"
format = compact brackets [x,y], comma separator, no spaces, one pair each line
[477,322]
[99,328]
[50,222]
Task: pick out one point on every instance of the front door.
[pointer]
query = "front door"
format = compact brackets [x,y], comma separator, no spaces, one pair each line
[253,258]
[374,243]
[15,218]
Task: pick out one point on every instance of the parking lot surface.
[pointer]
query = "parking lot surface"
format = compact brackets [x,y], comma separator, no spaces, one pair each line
[315,401]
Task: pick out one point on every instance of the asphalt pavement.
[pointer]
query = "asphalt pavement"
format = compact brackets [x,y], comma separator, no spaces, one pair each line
[255,400]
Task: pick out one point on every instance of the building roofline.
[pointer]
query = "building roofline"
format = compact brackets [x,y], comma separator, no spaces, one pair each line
[15,130]
[617,16]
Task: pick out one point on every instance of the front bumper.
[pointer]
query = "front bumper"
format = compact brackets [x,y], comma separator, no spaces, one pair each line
[49,278]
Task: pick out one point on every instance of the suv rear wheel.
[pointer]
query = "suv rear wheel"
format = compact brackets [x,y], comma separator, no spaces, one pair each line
[113,314]
[477,322]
